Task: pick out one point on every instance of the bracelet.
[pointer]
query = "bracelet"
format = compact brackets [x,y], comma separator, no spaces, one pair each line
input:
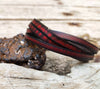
[60,42]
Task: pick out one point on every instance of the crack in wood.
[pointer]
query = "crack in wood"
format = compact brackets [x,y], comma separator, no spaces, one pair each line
[94,73]
[45,19]
[23,78]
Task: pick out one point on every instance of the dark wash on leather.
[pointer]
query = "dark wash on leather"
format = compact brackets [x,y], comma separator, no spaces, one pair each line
[60,42]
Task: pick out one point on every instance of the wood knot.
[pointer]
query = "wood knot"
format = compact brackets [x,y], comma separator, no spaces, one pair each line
[67,14]
[75,24]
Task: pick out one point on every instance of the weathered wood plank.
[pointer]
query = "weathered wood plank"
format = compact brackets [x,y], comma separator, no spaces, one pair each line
[95,3]
[81,3]
[49,12]
[27,2]
[82,76]
[72,27]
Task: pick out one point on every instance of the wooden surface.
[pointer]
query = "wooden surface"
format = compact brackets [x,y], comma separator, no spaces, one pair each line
[76,17]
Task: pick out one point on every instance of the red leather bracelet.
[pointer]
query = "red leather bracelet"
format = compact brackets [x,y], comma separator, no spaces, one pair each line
[60,35]
[60,42]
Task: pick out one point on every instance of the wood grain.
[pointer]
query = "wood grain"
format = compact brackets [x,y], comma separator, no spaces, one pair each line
[74,17]
[49,12]
[80,3]
[11,28]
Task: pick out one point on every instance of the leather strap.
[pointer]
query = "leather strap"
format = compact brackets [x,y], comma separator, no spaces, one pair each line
[60,42]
